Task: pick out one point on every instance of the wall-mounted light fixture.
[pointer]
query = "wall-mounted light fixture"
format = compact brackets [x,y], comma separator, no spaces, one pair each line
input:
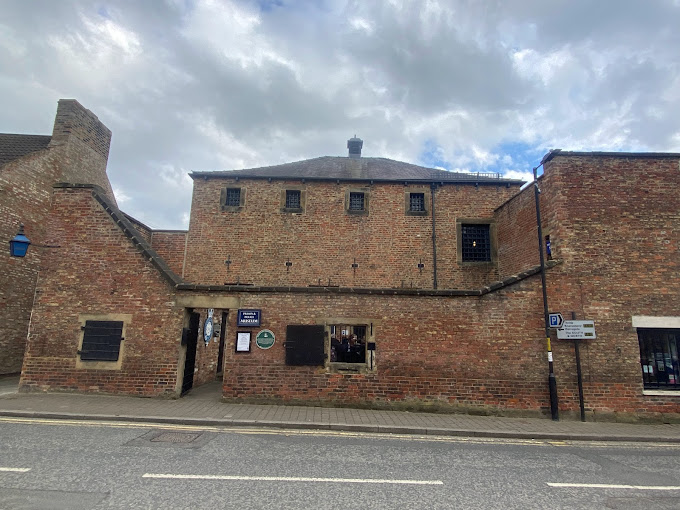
[18,246]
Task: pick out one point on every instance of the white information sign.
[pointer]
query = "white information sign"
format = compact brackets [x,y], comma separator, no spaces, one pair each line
[243,341]
[576,330]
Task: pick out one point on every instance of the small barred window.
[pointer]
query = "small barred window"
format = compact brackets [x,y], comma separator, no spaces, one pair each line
[233,197]
[476,243]
[356,201]
[417,202]
[293,199]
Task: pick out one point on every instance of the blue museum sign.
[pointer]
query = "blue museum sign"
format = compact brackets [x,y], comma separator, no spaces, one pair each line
[249,317]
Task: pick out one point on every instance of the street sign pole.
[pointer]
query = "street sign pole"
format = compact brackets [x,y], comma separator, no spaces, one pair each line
[552,382]
[579,375]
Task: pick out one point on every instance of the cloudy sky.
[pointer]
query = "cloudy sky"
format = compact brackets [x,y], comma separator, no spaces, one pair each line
[486,86]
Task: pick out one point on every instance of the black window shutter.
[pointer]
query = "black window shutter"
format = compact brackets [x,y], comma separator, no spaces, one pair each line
[101,340]
[305,345]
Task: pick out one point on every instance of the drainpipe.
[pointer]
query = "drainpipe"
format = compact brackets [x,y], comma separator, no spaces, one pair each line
[552,382]
[434,241]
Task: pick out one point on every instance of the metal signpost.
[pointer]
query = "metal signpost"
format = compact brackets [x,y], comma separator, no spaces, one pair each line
[576,331]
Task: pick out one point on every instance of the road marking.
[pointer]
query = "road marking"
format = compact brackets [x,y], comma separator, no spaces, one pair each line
[294,479]
[15,470]
[614,486]
[337,433]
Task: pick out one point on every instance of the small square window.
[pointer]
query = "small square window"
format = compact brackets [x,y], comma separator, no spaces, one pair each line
[101,340]
[293,199]
[475,243]
[356,201]
[233,197]
[417,202]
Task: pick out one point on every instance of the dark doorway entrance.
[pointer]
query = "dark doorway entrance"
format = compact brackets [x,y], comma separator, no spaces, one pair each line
[220,354]
[190,360]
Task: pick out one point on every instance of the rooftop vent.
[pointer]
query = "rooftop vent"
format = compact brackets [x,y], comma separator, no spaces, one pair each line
[354,145]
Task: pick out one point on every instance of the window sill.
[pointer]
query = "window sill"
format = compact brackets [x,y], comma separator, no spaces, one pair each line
[661,393]
[292,210]
[353,368]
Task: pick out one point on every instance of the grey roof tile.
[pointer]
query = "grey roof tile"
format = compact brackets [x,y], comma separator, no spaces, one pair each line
[15,146]
[344,168]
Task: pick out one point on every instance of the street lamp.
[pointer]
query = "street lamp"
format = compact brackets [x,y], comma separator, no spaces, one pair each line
[19,245]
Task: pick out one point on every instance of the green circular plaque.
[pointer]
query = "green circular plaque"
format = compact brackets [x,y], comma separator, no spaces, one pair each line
[265,339]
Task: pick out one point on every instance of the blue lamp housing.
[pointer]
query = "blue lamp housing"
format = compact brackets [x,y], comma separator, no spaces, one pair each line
[19,245]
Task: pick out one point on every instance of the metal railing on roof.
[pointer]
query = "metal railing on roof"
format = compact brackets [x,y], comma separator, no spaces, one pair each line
[464,176]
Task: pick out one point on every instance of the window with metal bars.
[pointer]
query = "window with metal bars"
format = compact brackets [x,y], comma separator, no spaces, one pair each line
[356,201]
[101,340]
[417,202]
[476,243]
[659,358]
[293,199]
[233,198]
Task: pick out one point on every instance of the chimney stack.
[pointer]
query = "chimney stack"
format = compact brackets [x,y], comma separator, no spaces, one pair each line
[354,145]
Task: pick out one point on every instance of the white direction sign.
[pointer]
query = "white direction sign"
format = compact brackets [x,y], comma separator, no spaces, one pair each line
[556,320]
[576,330]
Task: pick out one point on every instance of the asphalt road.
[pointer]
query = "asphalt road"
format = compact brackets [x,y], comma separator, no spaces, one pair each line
[59,465]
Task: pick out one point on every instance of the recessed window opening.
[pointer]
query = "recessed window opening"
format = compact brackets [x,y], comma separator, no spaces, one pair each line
[233,197]
[356,201]
[476,243]
[293,199]
[101,340]
[417,202]
[348,343]
[659,358]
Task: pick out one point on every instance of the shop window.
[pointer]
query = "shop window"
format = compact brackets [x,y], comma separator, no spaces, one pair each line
[101,341]
[232,199]
[305,345]
[659,358]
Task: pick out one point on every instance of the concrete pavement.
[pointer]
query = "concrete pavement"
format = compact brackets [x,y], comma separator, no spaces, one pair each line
[203,407]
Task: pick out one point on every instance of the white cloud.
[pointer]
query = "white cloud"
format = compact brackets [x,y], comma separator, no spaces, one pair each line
[210,85]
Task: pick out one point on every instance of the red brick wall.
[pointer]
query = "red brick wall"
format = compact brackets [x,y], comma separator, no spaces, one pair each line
[78,152]
[323,242]
[170,244]
[613,228]
[473,352]
[25,194]
[619,241]
[98,270]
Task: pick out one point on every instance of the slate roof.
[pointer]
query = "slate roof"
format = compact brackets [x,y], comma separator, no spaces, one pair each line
[16,146]
[356,169]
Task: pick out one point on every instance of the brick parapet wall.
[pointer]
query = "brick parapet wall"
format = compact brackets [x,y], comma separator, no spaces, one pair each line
[98,270]
[171,245]
[323,242]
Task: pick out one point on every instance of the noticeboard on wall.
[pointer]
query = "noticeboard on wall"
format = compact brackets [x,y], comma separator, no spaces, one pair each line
[243,341]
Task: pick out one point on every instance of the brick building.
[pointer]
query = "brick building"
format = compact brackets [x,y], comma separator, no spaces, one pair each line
[77,151]
[367,281]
